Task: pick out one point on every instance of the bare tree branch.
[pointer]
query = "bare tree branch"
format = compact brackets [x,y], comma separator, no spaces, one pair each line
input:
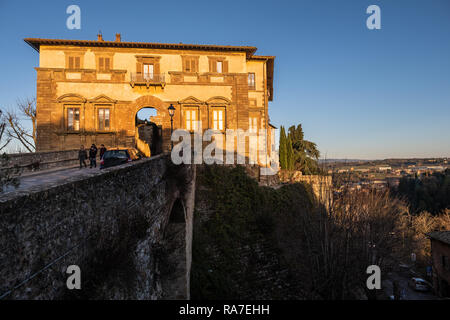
[16,129]
[3,142]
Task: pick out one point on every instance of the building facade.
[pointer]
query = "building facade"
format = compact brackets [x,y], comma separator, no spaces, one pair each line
[440,255]
[90,91]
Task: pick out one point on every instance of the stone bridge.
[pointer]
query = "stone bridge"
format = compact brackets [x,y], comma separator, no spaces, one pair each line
[128,228]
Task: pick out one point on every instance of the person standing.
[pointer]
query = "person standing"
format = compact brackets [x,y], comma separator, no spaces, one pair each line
[82,156]
[102,151]
[93,156]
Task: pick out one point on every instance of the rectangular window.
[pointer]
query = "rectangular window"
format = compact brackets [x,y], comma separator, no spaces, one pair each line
[253,124]
[190,117]
[219,66]
[190,65]
[103,119]
[104,64]
[74,62]
[219,119]
[251,80]
[73,119]
[148,71]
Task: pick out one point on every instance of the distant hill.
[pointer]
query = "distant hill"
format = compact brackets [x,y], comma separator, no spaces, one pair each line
[341,160]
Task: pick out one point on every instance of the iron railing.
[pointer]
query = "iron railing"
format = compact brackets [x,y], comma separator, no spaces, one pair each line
[139,77]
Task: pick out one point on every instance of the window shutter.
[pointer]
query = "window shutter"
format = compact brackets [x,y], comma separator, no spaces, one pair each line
[100,64]
[156,67]
[187,65]
[70,62]
[107,64]
[138,67]
[77,62]
[225,66]
[212,65]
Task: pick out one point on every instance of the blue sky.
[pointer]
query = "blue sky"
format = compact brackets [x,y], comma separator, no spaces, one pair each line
[358,93]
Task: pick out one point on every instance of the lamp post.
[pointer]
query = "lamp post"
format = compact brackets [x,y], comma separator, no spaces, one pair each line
[171,110]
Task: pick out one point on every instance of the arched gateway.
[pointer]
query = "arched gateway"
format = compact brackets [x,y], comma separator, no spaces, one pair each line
[160,124]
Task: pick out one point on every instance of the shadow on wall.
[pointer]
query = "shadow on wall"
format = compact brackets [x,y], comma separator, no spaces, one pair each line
[173,263]
[149,138]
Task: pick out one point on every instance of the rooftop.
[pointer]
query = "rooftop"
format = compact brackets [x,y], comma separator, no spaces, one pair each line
[37,42]
[443,236]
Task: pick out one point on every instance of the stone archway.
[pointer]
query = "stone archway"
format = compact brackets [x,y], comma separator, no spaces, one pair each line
[148,131]
[160,122]
[153,102]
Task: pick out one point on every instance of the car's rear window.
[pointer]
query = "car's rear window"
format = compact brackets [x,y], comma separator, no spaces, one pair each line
[115,154]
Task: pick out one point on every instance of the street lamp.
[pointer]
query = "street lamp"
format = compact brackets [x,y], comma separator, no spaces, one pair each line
[171,110]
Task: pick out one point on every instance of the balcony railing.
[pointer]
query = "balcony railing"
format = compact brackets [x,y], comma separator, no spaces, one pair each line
[148,79]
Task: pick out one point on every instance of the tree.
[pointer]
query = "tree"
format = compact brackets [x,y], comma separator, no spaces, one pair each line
[8,176]
[290,159]
[306,153]
[16,129]
[3,142]
[283,150]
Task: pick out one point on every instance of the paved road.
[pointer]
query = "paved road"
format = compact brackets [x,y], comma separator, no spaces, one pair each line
[48,178]
[409,294]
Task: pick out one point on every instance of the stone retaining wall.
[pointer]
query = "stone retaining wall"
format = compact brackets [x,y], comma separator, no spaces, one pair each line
[113,225]
[321,185]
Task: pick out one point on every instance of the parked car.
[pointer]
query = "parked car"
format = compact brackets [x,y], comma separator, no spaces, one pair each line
[118,156]
[419,284]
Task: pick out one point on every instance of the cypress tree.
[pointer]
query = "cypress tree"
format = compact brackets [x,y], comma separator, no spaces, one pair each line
[290,154]
[283,150]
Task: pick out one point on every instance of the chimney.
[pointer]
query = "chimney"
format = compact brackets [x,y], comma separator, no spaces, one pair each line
[117,37]
[99,36]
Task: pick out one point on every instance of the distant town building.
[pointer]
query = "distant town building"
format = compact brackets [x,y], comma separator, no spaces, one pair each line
[436,168]
[440,254]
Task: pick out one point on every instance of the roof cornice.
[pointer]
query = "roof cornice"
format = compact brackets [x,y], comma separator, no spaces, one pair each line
[35,43]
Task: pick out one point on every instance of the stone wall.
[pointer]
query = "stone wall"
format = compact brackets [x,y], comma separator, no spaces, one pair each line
[115,225]
[33,161]
[321,185]
[243,236]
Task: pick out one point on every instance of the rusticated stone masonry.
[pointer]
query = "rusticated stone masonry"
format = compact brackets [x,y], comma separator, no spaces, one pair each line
[128,228]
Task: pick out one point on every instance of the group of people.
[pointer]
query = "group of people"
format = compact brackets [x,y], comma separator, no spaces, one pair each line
[83,155]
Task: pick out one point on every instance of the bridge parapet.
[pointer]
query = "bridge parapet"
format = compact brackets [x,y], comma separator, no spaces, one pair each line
[114,225]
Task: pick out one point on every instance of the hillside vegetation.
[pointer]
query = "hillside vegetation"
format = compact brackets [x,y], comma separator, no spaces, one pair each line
[253,242]
[236,251]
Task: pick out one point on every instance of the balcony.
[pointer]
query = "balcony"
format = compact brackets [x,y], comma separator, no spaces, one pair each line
[147,79]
